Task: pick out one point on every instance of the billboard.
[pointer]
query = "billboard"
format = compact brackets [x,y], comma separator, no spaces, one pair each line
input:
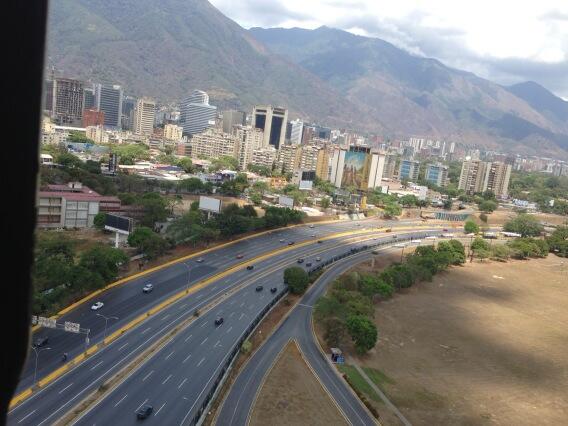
[120,224]
[209,204]
[356,168]
[306,185]
[286,201]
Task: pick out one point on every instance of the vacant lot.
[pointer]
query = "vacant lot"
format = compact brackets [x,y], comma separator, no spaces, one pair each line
[291,395]
[486,343]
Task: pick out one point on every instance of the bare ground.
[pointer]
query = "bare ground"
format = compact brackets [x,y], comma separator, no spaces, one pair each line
[483,344]
[291,395]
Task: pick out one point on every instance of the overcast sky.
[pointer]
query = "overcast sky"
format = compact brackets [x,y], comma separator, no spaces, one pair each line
[503,40]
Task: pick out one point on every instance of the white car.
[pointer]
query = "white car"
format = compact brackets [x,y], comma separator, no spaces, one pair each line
[282,240]
[97,306]
[400,245]
[147,288]
[430,237]
[447,235]
[311,226]
[318,259]
[199,260]
[415,241]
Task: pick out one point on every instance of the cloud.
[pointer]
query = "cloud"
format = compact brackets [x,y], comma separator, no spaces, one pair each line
[485,38]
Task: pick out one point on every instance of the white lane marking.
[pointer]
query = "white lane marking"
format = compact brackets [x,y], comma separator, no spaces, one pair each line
[167,378]
[199,296]
[262,297]
[188,337]
[204,340]
[122,347]
[229,330]
[241,305]
[241,317]
[305,306]
[148,375]
[204,324]
[166,317]
[186,358]
[24,418]
[65,388]
[233,302]
[183,306]
[160,409]
[171,353]
[218,342]
[232,313]
[181,384]
[96,365]
[146,330]
[200,362]
[122,399]
[140,406]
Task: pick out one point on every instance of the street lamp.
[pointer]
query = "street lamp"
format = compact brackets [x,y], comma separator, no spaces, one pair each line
[106,323]
[37,351]
[402,253]
[188,276]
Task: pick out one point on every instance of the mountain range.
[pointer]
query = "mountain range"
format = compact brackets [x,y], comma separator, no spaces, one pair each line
[167,49]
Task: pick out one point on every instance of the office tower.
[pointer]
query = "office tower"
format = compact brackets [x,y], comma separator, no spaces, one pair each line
[296,131]
[92,117]
[67,101]
[109,100]
[196,115]
[232,118]
[144,116]
[272,121]
[437,174]
[89,102]
[472,176]
[48,95]
[497,178]
[173,132]
[409,170]
[128,105]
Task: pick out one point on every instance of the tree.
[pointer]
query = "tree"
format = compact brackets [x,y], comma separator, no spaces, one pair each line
[334,331]
[500,252]
[192,185]
[186,164]
[147,242]
[480,244]
[488,206]
[470,227]
[363,332]
[297,279]
[99,220]
[68,160]
[482,254]
[130,153]
[103,260]
[408,200]
[155,209]
[524,224]
[79,137]
[324,203]
[225,162]
[391,210]
[558,241]
[259,170]
[448,204]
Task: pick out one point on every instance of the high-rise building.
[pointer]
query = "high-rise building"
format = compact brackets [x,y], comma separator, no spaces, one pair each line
[409,170]
[89,99]
[264,157]
[196,115]
[144,116]
[322,164]
[92,117]
[173,132]
[67,101]
[272,121]
[48,95]
[289,158]
[472,176]
[296,131]
[250,140]
[109,100]
[497,178]
[390,167]
[213,143]
[232,118]
[309,157]
[357,167]
[437,174]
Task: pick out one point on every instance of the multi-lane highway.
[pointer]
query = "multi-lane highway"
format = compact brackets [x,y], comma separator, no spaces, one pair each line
[178,378]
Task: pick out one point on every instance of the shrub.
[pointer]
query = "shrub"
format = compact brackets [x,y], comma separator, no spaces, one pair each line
[471,227]
[297,279]
[363,332]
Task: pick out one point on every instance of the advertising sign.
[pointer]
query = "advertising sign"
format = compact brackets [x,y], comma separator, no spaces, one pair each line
[356,170]
[209,204]
[286,201]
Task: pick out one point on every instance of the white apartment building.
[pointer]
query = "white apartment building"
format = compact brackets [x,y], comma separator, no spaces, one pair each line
[173,132]
[212,143]
[144,114]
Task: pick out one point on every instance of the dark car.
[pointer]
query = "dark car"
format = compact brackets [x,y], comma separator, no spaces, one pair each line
[219,320]
[300,260]
[290,243]
[250,267]
[308,264]
[259,288]
[320,241]
[273,290]
[395,236]
[41,341]
[144,411]
[240,256]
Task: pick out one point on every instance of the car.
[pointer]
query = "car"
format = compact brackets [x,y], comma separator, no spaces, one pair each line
[240,256]
[273,290]
[430,237]
[282,240]
[199,260]
[96,306]
[375,252]
[41,341]
[147,288]
[445,229]
[308,264]
[250,267]
[447,235]
[311,226]
[219,320]
[357,224]
[259,288]
[388,230]
[144,411]
[290,243]
[415,241]
[301,260]
[395,236]
[313,235]
[320,241]
[318,259]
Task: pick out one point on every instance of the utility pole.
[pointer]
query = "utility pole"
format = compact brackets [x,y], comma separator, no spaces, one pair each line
[37,351]
[188,276]
[106,324]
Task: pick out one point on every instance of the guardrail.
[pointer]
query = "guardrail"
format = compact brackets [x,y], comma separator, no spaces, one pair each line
[221,376]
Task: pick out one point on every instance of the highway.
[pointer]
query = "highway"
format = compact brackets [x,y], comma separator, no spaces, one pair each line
[238,404]
[201,346]
[127,302]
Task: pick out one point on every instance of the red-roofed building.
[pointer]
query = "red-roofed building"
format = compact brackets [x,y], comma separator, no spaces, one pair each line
[72,206]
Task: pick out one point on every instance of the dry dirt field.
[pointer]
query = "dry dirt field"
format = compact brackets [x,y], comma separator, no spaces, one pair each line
[291,395]
[483,344]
